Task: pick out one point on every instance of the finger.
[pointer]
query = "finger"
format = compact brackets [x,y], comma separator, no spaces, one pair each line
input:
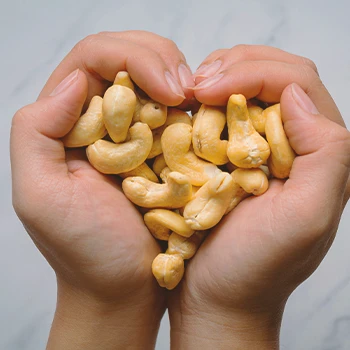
[36,150]
[320,173]
[214,63]
[101,57]
[203,70]
[166,49]
[266,81]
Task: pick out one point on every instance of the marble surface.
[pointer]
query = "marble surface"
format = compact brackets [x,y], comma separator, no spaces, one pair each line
[37,34]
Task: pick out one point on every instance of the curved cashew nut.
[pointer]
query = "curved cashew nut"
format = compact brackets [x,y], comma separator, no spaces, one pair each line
[159,164]
[246,147]
[110,158]
[186,247]
[160,222]
[168,270]
[174,116]
[123,78]
[207,128]
[175,193]
[142,170]
[176,142]
[252,181]
[118,108]
[210,202]
[237,195]
[257,117]
[89,128]
[154,114]
[282,155]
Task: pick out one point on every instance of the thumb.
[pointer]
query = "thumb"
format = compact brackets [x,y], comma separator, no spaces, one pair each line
[36,150]
[322,168]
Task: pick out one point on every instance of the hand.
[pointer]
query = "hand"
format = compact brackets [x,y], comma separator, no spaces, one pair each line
[236,286]
[79,219]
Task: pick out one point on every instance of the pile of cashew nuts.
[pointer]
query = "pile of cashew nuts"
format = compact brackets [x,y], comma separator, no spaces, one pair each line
[179,169]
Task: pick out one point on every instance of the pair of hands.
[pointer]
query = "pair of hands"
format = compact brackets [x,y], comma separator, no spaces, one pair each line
[235,288]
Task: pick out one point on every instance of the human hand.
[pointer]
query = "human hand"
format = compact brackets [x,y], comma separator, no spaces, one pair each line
[235,287]
[91,235]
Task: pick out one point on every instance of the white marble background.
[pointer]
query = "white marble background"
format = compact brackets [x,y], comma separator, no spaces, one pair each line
[35,35]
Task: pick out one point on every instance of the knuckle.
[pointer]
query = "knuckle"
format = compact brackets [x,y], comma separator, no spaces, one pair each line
[308,62]
[22,115]
[85,44]
[169,44]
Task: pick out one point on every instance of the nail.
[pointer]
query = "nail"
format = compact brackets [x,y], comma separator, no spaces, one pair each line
[65,83]
[185,75]
[303,100]
[208,82]
[208,70]
[174,85]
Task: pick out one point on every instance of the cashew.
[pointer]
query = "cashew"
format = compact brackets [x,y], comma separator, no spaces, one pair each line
[186,247]
[210,202]
[161,221]
[257,117]
[174,116]
[252,181]
[168,270]
[282,154]
[123,78]
[154,114]
[142,170]
[159,164]
[118,108]
[110,158]
[237,195]
[207,128]
[89,127]
[164,174]
[176,143]
[246,147]
[175,193]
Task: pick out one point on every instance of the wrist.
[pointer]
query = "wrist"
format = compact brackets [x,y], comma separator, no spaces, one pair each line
[84,322]
[223,329]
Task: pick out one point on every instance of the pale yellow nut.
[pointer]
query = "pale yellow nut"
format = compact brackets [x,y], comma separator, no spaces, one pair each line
[159,164]
[237,195]
[174,116]
[282,155]
[210,202]
[89,127]
[118,108]
[186,247]
[246,147]
[164,174]
[154,114]
[168,270]
[110,158]
[123,78]
[142,170]
[252,181]
[160,222]
[175,193]
[176,143]
[207,128]
[257,117]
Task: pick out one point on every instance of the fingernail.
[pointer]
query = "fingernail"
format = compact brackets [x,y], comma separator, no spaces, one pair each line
[208,82]
[208,70]
[174,85]
[65,83]
[185,75]
[303,100]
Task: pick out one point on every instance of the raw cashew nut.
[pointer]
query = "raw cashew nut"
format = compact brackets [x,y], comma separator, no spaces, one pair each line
[110,158]
[246,147]
[207,128]
[118,108]
[237,195]
[160,222]
[159,164]
[282,154]
[123,78]
[210,202]
[257,117]
[186,247]
[142,170]
[168,270]
[154,114]
[252,181]
[175,193]
[89,127]
[176,143]
[174,116]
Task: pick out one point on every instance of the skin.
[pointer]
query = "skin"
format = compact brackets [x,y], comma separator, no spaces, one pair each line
[95,239]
